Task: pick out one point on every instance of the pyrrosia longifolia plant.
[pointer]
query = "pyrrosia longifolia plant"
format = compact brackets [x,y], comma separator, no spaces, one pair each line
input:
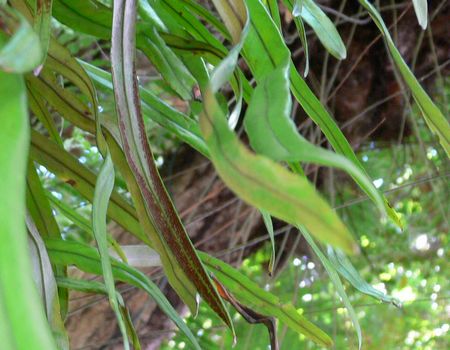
[196,52]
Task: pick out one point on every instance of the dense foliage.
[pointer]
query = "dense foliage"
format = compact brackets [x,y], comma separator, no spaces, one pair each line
[74,133]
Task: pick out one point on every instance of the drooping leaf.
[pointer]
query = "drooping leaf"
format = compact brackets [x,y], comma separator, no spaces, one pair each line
[296,12]
[171,241]
[87,259]
[334,277]
[250,315]
[273,133]
[345,268]
[103,189]
[258,180]
[42,215]
[18,295]
[265,50]
[321,24]
[249,293]
[434,118]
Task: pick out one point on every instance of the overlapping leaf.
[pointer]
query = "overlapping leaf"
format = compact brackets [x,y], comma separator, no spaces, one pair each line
[87,259]
[334,277]
[45,281]
[182,265]
[265,50]
[18,296]
[20,49]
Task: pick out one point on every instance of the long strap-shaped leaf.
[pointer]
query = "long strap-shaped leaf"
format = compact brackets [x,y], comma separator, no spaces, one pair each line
[68,169]
[22,319]
[343,265]
[258,180]
[431,113]
[336,282]
[174,244]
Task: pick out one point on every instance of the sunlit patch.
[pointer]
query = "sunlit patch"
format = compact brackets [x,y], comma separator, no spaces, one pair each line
[381,287]
[297,262]
[421,242]
[364,241]
[405,295]
[307,297]
[431,153]
[378,182]
[207,324]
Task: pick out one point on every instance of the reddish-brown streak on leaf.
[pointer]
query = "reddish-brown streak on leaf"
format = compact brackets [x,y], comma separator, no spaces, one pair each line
[161,210]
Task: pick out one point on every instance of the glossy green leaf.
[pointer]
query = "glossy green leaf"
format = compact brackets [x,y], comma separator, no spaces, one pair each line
[87,259]
[334,277]
[89,16]
[421,9]
[434,118]
[18,294]
[182,265]
[249,293]
[209,17]
[21,52]
[321,24]
[265,50]
[166,62]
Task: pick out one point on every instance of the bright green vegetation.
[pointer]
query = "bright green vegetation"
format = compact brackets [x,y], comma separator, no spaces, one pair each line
[79,147]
